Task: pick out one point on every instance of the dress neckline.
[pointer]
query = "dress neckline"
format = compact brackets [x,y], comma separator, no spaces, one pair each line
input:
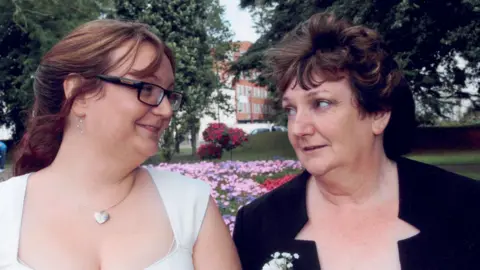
[174,247]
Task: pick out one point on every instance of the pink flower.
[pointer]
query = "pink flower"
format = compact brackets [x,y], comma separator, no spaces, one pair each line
[233,182]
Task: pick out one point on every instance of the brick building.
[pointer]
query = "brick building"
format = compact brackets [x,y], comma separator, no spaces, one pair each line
[252,102]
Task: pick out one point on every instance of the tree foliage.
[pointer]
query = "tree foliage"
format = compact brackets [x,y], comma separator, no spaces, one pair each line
[195,30]
[28,29]
[437,43]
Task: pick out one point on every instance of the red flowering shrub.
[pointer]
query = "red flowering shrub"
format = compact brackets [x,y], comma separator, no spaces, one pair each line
[209,151]
[215,133]
[272,183]
[224,137]
[236,137]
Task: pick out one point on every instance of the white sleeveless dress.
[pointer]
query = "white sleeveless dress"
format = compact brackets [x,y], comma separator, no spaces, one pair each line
[186,217]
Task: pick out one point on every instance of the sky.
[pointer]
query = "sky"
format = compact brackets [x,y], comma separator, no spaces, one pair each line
[240,21]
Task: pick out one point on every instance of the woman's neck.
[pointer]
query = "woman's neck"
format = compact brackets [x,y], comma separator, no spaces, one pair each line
[94,176]
[369,180]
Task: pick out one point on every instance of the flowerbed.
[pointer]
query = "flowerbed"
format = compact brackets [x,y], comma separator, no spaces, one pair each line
[273,183]
[233,182]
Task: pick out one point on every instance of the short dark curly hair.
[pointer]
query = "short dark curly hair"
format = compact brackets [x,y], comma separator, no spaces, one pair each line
[337,48]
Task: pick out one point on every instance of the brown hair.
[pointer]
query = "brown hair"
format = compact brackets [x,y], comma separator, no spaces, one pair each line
[336,48]
[85,51]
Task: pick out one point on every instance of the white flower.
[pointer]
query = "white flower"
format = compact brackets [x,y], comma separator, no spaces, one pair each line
[271,266]
[281,261]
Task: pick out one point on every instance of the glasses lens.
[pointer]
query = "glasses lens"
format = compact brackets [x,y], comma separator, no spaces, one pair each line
[175,100]
[151,94]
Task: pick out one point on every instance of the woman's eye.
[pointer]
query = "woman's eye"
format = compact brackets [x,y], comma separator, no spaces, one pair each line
[322,104]
[290,111]
[148,88]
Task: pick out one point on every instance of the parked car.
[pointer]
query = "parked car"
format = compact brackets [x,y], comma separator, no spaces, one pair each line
[278,128]
[259,130]
[271,129]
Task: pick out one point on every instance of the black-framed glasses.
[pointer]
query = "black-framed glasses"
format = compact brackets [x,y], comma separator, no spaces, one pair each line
[148,93]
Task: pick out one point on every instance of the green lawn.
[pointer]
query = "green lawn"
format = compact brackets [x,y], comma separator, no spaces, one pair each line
[466,163]
[259,147]
[448,158]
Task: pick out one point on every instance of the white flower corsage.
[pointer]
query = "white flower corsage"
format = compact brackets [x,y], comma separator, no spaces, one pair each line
[281,261]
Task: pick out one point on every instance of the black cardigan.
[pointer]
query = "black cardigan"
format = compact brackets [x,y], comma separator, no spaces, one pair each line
[442,205]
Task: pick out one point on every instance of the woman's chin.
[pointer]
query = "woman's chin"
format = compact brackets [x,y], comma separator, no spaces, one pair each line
[148,149]
[316,166]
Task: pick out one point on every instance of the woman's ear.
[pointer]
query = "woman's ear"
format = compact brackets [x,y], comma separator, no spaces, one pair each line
[71,85]
[380,121]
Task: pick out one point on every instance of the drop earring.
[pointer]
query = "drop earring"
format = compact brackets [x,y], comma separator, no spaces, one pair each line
[80,125]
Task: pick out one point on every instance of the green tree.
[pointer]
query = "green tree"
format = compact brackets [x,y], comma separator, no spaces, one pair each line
[27,30]
[199,37]
[439,56]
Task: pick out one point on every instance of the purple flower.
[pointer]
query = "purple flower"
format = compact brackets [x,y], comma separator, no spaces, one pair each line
[232,182]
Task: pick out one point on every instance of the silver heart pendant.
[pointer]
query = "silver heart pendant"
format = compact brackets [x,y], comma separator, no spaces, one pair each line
[101,217]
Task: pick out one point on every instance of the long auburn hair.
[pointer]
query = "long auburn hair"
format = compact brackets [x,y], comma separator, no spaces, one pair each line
[86,52]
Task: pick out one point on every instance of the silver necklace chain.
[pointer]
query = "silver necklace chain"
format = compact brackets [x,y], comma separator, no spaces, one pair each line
[103,216]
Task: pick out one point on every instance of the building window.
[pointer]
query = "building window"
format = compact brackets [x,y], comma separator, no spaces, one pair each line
[243,90]
[243,107]
[239,89]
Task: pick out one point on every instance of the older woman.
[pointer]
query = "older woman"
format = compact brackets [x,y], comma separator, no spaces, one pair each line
[359,204]
[80,199]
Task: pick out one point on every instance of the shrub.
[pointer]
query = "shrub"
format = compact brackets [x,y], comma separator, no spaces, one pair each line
[236,137]
[209,151]
[225,138]
[215,133]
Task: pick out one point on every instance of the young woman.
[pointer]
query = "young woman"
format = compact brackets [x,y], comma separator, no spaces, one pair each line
[80,199]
